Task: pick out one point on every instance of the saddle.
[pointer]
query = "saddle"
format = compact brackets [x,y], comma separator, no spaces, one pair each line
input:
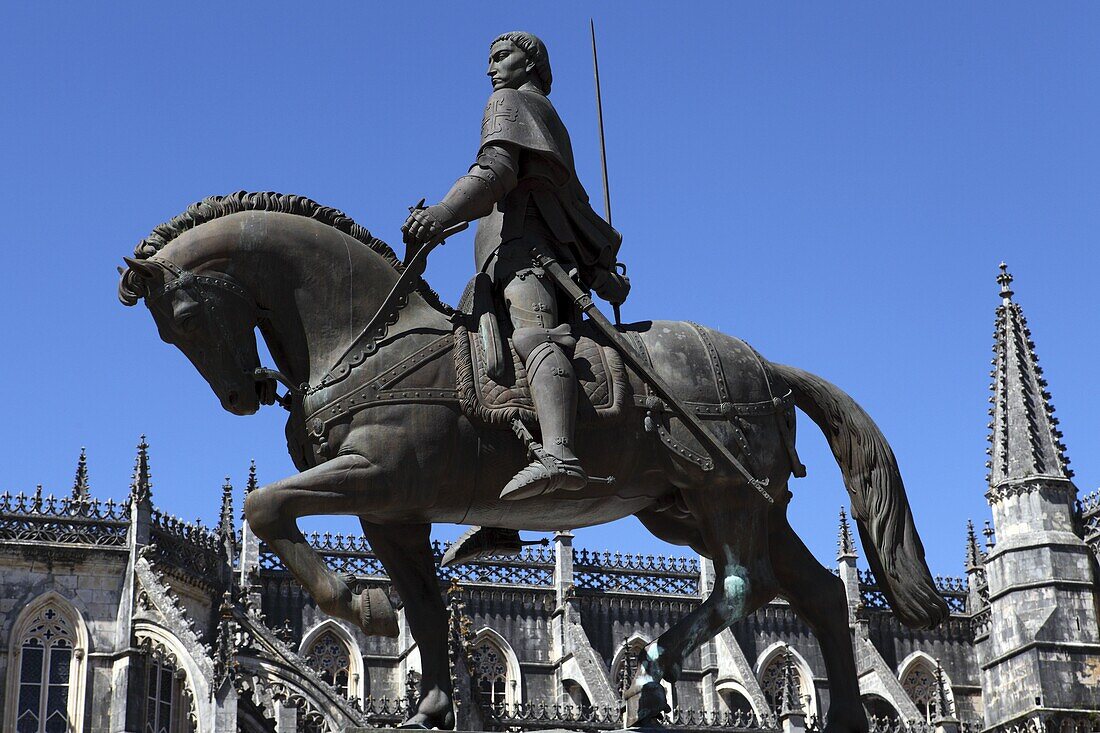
[604,386]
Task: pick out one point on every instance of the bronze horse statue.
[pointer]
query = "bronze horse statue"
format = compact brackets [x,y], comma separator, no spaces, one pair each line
[381,428]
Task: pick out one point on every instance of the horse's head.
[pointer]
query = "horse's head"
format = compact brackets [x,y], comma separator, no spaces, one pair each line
[211,319]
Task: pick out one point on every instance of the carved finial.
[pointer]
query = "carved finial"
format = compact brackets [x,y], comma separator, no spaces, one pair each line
[225,517]
[974,556]
[141,485]
[791,702]
[942,699]
[251,485]
[81,488]
[1004,279]
[845,543]
[1025,442]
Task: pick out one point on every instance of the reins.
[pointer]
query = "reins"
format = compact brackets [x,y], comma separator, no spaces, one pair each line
[367,340]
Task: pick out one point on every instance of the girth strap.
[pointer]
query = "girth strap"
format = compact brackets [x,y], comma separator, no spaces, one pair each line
[380,390]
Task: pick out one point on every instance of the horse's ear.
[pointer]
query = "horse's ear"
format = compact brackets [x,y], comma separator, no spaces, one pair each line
[143,269]
[141,277]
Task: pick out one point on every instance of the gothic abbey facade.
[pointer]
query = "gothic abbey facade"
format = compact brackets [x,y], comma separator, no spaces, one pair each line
[117,617]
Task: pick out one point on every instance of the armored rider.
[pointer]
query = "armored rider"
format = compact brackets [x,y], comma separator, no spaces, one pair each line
[524,190]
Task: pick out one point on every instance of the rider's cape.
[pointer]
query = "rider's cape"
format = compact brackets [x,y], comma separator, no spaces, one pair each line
[548,186]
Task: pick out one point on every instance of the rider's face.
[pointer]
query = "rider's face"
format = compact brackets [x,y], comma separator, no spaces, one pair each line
[508,66]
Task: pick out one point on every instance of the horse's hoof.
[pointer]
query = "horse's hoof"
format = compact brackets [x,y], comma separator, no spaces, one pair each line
[376,614]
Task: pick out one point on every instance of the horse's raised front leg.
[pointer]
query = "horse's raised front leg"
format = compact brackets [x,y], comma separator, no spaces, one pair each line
[818,597]
[406,553]
[340,486]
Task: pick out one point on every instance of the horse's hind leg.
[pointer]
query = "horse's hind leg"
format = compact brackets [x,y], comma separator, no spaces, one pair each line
[735,534]
[339,486]
[818,597]
[406,553]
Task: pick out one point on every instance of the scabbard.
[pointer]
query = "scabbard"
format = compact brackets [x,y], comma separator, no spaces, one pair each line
[694,425]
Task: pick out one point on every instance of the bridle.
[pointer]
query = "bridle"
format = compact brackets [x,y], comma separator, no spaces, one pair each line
[359,348]
[184,279]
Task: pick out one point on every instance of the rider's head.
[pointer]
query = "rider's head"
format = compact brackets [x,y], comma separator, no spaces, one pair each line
[516,58]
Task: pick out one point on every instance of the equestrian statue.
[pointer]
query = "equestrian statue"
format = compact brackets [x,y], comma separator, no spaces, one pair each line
[524,408]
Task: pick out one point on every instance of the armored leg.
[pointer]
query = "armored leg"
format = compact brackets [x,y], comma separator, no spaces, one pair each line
[544,345]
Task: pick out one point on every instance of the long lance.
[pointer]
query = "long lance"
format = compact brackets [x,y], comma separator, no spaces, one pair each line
[599,117]
[603,146]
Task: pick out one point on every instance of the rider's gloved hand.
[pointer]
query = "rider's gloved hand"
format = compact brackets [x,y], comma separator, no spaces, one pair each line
[612,287]
[266,391]
[424,225]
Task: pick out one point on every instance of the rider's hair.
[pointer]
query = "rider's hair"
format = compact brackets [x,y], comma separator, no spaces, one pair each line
[132,288]
[536,53]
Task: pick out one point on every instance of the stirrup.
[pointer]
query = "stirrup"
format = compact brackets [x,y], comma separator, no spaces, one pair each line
[536,479]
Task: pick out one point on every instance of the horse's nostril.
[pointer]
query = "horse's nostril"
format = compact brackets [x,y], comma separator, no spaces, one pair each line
[232,398]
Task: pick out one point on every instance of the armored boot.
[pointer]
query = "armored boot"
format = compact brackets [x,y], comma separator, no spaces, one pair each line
[554,394]
[478,543]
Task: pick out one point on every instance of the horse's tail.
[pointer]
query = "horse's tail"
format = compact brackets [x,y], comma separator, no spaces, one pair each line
[879,505]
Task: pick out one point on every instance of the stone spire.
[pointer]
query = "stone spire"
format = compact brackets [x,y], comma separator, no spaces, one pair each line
[975,558]
[249,551]
[141,487]
[943,699]
[81,489]
[791,702]
[226,531]
[1025,441]
[845,544]
[225,517]
[251,485]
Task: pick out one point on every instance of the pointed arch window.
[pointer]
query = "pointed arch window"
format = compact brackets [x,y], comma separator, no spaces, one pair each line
[328,654]
[490,668]
[168,704]
[773,678]
[919,683]
[626,667]
[45,666]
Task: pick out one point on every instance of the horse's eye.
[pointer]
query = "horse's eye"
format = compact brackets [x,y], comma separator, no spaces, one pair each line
[188,322]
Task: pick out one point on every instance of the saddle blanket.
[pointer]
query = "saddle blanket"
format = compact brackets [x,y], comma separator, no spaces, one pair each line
[599,368]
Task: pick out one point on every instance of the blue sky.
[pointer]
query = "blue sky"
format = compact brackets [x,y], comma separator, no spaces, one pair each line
[834,183]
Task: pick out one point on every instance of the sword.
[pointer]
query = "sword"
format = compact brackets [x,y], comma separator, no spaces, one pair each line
[584,302]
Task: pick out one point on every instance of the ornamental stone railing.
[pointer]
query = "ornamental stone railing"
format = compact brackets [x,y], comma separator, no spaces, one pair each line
[980,623]
[614,572]
[606,572]
[39,519]
[718,720]
[540,716]
[186,549]
[194,550]
[532,567]
[384,712]
[954,592]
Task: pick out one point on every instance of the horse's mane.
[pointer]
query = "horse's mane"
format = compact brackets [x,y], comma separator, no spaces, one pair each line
[131,288]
